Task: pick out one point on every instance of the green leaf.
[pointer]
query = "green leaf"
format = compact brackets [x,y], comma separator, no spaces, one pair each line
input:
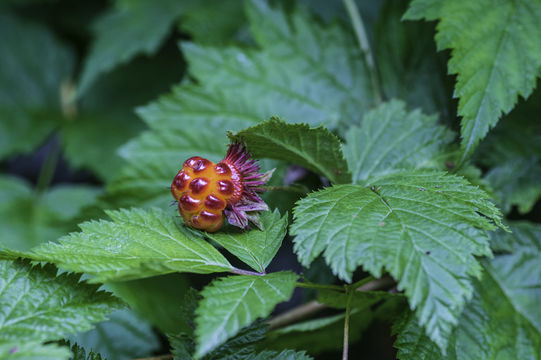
[424,228]
[28,219]
[303,72]
[33,351]
[236,301]
[316,149]
[124,336]
[38,305]
[503,319]
[135,244]
[140,26]
[496,56]
[255,247]
[30,85]
[392,139]
[156,299]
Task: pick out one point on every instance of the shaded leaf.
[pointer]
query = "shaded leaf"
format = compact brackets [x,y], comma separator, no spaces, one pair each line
[215,23]
[30,85]
[124,336]
[516,182]
[157,299]
[407,62]
[140,26]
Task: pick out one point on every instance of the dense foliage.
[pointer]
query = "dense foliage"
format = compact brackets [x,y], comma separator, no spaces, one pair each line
[405,208]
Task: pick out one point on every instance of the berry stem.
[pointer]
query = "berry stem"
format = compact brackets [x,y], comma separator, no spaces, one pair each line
[246,272]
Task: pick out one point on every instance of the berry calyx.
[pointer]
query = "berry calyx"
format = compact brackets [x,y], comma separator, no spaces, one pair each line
[205,191]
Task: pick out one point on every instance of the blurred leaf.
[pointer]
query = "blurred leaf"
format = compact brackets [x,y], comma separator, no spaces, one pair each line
[105,115]
[135,244]
[513,153]
[230,303]
[123,337]
[505,302]
[424,228]
[130,28]
[391,139]
[158,299]
[33,351]
[30,85]
[255,247]
[38,305]
[516,182]
[496,56]
[304,72]
[29,219]
[214,22]
[316,149]
[407,62]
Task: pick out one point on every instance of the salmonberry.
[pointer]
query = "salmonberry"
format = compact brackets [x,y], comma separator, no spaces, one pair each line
[205,191]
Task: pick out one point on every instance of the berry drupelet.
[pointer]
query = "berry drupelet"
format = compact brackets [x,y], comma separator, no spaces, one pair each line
[205,191]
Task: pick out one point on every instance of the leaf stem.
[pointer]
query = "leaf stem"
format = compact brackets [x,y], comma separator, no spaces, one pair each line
[349,292]
[48,168]
[246,272]
[364,44]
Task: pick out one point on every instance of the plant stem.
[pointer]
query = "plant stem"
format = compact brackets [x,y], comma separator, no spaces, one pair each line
[295,314]
[47,169]
[313,307]
[346,324]
[245,272]
[364,44]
